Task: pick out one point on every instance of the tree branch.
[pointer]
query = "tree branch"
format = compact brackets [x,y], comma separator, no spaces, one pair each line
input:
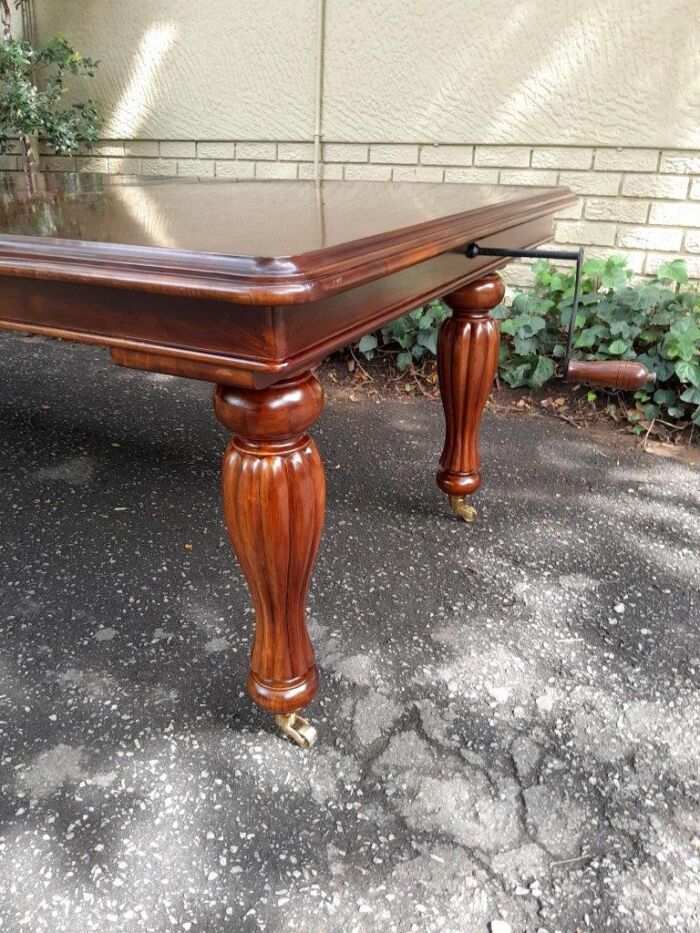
[6,20]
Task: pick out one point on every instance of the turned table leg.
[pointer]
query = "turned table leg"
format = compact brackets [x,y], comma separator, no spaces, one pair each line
[274,503]
[467,360]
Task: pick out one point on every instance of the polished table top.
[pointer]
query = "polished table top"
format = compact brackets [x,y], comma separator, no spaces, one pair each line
[297,238]
[243,282]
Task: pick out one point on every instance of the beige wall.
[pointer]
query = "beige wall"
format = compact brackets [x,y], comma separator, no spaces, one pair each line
[178,69]
[613,72]
[601,96]
[607,72]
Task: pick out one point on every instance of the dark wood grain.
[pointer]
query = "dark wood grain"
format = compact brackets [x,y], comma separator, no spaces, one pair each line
[274,502]
[467,361]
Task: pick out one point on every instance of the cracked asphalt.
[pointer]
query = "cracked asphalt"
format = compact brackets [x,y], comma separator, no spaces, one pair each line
[509,712]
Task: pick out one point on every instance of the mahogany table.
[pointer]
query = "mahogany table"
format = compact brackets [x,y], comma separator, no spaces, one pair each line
[249,285]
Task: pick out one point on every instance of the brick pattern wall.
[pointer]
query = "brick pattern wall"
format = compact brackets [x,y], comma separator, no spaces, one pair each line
[644,203]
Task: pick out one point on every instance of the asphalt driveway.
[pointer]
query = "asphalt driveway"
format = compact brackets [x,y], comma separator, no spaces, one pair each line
[509,713]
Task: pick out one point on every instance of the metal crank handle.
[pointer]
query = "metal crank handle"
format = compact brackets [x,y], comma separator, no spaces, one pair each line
[615,374]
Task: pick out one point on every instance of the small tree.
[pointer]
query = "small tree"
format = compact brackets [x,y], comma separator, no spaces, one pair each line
[32,89]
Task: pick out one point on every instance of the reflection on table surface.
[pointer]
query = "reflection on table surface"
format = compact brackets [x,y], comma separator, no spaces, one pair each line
[236,218]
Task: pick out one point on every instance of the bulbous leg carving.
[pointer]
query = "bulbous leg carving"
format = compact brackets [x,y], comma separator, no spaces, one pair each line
[274,503]
[467,361]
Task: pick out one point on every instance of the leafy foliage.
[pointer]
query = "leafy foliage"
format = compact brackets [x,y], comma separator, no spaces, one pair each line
[32,89]
[414,334]
[656,322]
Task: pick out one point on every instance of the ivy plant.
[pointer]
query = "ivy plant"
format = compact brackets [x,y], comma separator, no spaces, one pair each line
[656,322]
[414,334]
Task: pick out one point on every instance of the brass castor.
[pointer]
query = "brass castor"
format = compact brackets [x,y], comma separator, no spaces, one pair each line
[298,729]
[459,506]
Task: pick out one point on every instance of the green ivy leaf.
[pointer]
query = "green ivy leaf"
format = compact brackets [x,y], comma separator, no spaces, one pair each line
[543,305]
[544,370]
[561,282]
[523,303]
[594,267]
[688,372]
[532,326]
[689,300]
[657,364]
[428,339]
[524,346]
[368,344]
[648,335]
[398,328]
[661,317]
[615,274]
[588,337]
[403,359]
[665,397]
[676,271]
[688,325]
[516,374]
[618,347]
[691,395]
[565,317]
[510,326]
[622,329]
[542,270]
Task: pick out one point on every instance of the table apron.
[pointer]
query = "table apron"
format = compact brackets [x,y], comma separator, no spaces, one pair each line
[247,345]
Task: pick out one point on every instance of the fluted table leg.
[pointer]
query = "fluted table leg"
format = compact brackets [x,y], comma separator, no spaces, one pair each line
[468,345]
[274,504]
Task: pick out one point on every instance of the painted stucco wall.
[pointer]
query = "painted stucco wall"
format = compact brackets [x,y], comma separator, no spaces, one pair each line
[599,95]
[171,69]
[606,72]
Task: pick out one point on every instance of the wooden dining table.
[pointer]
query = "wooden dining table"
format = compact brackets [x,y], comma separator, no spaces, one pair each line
[249,285]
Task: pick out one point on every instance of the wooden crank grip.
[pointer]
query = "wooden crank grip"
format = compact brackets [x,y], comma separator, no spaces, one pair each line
[616,374]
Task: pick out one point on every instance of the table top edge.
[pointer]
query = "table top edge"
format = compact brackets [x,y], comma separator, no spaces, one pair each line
[273,279]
